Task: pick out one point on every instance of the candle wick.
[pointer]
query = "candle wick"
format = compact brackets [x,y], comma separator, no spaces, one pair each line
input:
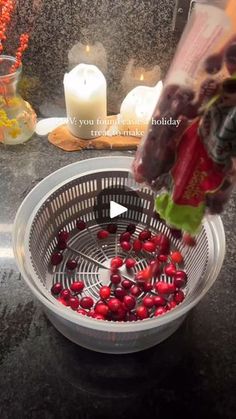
[84,81]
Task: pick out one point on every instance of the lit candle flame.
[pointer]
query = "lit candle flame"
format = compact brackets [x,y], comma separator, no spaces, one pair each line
[141,77]
[87,49]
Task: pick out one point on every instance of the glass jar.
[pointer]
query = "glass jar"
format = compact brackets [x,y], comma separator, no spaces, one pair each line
[17,118]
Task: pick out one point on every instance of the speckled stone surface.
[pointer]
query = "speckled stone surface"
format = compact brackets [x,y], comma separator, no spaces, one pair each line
[141,30]
[44,376]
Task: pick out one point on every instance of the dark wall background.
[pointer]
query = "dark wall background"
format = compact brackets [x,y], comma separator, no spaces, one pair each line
[138,29]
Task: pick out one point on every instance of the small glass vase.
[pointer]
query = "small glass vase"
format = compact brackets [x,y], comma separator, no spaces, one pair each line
[17,118]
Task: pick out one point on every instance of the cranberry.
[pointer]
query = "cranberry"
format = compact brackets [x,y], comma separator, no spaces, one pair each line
[98,317]
[86,302]
[148,302]
[114,304]
[71,264]
[61,245]
[164,288]
[125,237]
[116,262]
[119,315]
[135,290]
[74,303]
[179,297]
[64,302]
[77,286]
[147,286]
[91,313]
[163,258]
[105,292]
[115,279]
[177,234]
[149,246]
[81,225]
[180,279]
[188,240]
[65,294]
[163,243]
[56,288]
[145,235]
[119,293]
[56,258]
[82,311]
[102,234]
[63,236]
[159,311]
[131,228]
[130,263]
[142,312]
[126,246]
[130,317]
[126,284]
[112,228]
[129,302]
[170,270]
[155,267]
[137,245]
[170,305]
[159,301]
[176,257]
[102,309]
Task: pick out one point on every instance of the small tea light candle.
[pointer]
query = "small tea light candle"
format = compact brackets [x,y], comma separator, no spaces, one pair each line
[86,100]
[139,76]
[138,106]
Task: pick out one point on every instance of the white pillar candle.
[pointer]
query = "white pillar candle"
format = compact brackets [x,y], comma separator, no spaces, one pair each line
[138,106]
[86,100]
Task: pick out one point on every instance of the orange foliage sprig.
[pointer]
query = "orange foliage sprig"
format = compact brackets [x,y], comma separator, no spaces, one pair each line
[6,9]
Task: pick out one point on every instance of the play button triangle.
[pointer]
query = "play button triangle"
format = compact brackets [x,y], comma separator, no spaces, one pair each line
[116,209]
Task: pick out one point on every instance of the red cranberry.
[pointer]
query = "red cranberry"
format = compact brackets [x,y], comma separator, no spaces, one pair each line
[56,288]
[81,225]
[130,263]
[119,293]
[145,235]
[180,279]
[170,270]
[147,286]
[112,228]
[148,302]
[135,290]
[163,258]
[65,294]
[102,309]
[159,311]
[129,302]
[130,317]
[105,292]
[74,303]
[71,264]
[91,313]
[177,234]
[144,275]
[142,312]
[126,246]
[159,301]
[163,243]
[155,266]
[98,317]
[126,284]
[116,262]
[82,311]
[149,246]
[125,237]
[131,228]
[61,245]
[102,234]
[179,297]
[137,245]
[176,257]
[115,279]
[77,286]
[56,258]
[164,288]
[170,305]
[86,302]
[114,304]
[64,302]
[119,315]
[63,236]
[189,240]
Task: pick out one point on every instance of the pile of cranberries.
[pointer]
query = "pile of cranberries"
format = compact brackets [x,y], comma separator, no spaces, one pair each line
[146,295]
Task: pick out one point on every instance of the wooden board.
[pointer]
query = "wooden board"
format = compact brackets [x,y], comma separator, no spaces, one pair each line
[61,137]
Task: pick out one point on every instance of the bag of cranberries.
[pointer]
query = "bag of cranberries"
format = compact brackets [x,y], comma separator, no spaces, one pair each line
[188,154]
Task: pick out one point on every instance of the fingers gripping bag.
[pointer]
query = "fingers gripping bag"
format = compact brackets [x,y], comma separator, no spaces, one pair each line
[188,154]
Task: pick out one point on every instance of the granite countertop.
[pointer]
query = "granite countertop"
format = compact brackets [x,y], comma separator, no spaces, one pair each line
[43,375]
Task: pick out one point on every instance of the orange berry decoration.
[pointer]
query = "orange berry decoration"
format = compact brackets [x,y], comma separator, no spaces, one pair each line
[176,257]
